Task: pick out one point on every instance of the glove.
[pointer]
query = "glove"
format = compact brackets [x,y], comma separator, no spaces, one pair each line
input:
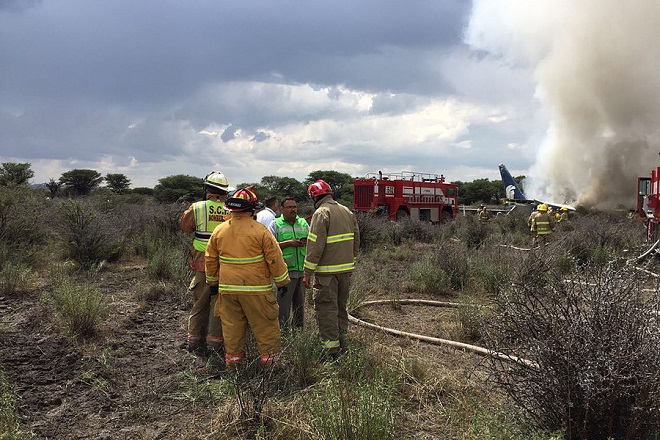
[214,290]
[281,291]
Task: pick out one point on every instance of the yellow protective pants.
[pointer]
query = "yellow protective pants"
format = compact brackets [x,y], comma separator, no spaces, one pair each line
[260,312]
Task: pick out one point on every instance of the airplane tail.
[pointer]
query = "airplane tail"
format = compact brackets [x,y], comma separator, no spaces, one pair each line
[512,191]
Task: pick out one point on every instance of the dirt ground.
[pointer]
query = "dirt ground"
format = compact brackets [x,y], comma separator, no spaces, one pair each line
[120,385]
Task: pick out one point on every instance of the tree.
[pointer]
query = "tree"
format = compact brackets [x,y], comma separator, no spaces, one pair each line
[479,190]
[180,187]
[284,186]
[54,187]
[13,173]
[81,181]
[341,183]
[118,183]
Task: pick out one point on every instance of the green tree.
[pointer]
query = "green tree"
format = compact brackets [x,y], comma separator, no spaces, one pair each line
[12,173]
[118,183]
[480,191]
[283,186]
[54,187]
[81,181]
[143,190]
[341,183]
[180,187]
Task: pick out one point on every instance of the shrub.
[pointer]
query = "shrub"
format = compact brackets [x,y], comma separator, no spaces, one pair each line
[79,308]
[89,237]
[426,277]
[452,258]
[596,347]
[23,214]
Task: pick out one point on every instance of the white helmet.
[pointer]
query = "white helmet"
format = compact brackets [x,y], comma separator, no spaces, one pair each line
[217,180]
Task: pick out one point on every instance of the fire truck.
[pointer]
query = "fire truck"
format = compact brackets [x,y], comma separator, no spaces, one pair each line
[419,196]
[648,203]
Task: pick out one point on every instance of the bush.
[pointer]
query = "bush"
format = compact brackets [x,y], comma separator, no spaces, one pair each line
[89,237]
[23,215]
[596,346]
[424,276]
[79,308]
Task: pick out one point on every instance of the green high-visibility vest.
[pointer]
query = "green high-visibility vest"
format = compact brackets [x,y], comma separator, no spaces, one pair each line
[294,257]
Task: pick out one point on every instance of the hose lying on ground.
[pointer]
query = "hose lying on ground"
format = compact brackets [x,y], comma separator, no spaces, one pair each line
[437,341]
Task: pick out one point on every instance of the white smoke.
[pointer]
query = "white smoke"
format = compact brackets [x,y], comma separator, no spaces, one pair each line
[597,67]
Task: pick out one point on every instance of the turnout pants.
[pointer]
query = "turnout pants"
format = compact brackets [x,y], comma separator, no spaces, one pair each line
[203,326]
[260,312]
[294,297]
[330,298]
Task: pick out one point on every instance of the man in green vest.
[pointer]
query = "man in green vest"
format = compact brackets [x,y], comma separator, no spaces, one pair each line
[291,232]
[204,329]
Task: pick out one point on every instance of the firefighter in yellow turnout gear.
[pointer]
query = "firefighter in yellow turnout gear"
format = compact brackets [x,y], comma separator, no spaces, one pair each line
[332,248]
[242,259]
[204,329]
[542,225]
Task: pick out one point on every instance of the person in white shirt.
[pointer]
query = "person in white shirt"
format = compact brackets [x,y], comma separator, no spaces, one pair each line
[268,214]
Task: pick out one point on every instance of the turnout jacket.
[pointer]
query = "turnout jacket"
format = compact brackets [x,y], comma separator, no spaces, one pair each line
[333,241]
[243,257]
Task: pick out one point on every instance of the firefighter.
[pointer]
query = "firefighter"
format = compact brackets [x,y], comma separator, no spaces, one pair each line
[563,218]
[251,260]
[534,213]
[542,225]
[483,213]
[291,232]
[204,329]
[332,248]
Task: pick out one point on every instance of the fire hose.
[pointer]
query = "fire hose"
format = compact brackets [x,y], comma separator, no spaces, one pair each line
[431,340]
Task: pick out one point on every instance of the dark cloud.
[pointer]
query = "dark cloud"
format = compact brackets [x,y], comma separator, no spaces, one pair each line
[229,133]
[17,5]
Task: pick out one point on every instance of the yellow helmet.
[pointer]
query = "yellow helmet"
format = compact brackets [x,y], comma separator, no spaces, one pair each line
[563,208]
[542,207]
[217,180]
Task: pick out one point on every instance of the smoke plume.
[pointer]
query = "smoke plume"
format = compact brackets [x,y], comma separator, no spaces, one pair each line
[597,67]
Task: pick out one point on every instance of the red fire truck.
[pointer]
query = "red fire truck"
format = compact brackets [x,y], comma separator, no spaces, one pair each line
[420,196]
[648,203]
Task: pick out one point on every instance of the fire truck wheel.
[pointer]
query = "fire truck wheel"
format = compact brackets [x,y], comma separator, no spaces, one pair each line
[401,214]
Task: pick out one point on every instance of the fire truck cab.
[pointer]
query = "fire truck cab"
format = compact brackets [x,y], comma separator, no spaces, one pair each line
[419,196]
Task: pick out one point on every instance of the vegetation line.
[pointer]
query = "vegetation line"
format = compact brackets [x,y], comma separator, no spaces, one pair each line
[437,341]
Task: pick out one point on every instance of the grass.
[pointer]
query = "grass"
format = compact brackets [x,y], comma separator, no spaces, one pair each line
[9,423]
[79,308]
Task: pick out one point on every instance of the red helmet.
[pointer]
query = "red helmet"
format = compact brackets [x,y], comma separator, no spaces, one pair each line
[242,200]
[319,188]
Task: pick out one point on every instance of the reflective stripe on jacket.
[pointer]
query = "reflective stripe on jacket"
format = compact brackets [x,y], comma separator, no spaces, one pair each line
[294,257]
[334,239]
[251,257]
[542,224]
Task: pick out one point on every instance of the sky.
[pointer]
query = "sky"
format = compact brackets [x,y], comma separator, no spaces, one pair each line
[252,88]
